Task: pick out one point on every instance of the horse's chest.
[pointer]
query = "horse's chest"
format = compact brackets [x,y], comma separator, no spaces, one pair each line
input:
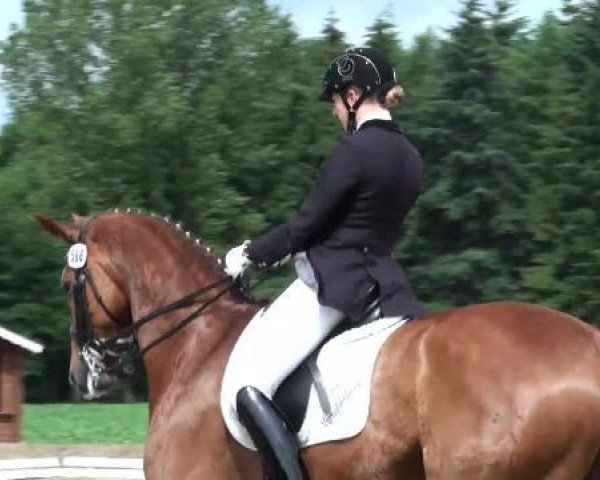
[187,443]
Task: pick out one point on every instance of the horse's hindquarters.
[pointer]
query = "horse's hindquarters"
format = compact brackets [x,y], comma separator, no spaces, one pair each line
[509,391]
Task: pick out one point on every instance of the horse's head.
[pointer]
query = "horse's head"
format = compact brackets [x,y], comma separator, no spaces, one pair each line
[99,305]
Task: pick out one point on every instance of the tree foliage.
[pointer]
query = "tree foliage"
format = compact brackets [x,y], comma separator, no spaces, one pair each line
[207,111]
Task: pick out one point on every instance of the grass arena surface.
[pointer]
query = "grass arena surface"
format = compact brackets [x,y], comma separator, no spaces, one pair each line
[85,423]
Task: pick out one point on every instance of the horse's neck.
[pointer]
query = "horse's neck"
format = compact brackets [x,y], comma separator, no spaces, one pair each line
[201,348]
[195,356]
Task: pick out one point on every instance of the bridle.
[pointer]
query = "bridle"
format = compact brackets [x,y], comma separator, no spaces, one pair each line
[118,354]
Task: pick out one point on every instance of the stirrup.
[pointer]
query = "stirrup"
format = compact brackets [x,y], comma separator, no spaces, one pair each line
[273,438]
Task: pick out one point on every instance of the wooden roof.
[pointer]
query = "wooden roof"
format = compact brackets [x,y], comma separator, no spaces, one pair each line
[20,341]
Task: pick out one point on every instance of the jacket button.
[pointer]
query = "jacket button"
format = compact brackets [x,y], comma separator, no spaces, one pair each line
[366,249]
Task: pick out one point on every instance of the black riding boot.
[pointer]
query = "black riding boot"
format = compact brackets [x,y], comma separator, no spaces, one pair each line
[273,438]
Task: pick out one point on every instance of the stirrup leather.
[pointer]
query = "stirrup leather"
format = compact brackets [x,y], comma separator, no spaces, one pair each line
[273,438]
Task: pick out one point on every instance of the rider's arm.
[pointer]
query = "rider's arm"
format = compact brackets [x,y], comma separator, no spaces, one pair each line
[337,185]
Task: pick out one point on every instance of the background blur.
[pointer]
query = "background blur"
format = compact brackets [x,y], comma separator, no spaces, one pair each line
[206,111]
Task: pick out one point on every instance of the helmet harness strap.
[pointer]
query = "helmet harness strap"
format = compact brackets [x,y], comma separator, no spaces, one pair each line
[352,109]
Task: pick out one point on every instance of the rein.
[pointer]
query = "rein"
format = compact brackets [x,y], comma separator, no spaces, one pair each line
[184,302]
[118,353]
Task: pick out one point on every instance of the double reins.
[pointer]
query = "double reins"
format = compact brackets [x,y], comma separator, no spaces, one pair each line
[184,302]
[82,329]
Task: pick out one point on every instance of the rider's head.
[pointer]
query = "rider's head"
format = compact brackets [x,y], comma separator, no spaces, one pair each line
[356,77]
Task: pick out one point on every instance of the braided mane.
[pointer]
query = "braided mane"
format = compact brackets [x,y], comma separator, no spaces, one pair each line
[178,228]
[205,251]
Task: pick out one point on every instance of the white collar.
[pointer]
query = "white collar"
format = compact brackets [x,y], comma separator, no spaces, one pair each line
[376,115]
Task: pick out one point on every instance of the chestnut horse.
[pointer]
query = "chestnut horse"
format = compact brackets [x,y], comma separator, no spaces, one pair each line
[498,391]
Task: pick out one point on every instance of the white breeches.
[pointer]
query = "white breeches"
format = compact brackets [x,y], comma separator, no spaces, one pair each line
[276,341]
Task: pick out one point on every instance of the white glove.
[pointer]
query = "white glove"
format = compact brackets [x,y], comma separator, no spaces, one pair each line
[237,261]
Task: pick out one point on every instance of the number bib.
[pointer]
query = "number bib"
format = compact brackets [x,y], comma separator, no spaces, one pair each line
[77,256]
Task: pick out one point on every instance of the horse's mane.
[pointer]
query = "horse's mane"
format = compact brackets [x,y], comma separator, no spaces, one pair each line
[210,259]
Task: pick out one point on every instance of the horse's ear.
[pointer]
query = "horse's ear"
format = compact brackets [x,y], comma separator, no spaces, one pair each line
[79,220]
[68,233]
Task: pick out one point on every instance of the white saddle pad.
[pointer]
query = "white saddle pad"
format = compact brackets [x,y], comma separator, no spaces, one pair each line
[346,364]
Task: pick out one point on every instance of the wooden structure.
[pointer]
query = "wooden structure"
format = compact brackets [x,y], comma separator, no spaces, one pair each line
[12,347]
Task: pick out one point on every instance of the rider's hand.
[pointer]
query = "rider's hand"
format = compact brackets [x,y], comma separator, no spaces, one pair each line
[237,261]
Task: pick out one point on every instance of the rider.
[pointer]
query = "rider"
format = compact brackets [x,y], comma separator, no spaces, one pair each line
[341,239]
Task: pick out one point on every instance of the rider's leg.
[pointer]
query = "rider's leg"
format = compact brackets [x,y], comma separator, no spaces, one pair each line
[272,436]
[269,349]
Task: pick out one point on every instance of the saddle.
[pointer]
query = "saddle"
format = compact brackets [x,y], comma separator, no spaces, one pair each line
[327,397]
[293,394]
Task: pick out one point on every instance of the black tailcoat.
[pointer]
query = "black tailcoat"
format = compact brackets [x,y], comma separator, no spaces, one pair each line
[349,223]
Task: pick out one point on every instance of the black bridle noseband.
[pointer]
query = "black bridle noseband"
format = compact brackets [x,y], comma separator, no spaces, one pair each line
[119,353]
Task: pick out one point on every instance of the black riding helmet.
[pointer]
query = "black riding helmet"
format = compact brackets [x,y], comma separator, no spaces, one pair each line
[366,68]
